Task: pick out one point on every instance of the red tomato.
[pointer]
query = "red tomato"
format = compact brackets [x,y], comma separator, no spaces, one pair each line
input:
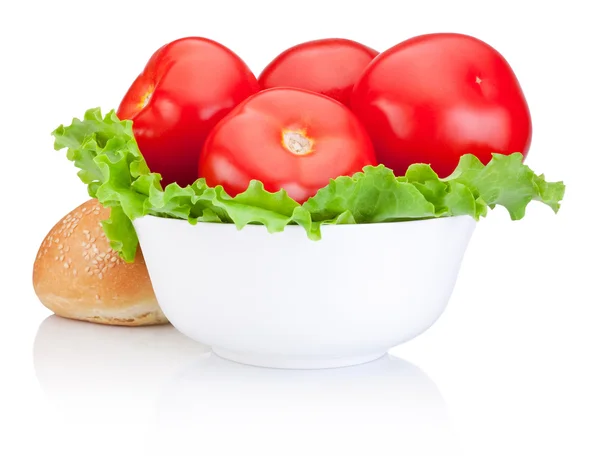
[187,86]
[286,138]
[435,97]
[327,66]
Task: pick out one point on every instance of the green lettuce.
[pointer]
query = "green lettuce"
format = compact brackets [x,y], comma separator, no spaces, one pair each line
[115,172]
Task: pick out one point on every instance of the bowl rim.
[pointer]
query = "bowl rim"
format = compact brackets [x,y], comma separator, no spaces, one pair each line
[296,227]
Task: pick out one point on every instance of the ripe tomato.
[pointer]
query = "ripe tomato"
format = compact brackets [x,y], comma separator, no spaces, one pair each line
[186,87]
[327,66]
[434,97]
[286,138]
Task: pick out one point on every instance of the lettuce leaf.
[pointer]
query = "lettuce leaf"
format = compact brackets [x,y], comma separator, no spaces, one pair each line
[110,163]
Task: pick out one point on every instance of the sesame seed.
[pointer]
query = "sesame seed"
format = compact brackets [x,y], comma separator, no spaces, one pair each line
[95,262]
[97,297]
[87,258]
[110,266]
[65,265]
[56,258]
[67,248]
[60,246]
[86,231]
[113,259]
[87,269]
[61,258]
[83,244]
[100,276]
[90,273]
[56,240]
[93,240]
[74,271]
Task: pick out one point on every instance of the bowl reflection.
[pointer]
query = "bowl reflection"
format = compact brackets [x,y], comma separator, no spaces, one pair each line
[389,406]
[157,383]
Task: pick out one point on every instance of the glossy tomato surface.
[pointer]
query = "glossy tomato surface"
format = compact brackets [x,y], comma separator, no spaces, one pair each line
[328,66]
[186,87]
[286,138]
[435,97]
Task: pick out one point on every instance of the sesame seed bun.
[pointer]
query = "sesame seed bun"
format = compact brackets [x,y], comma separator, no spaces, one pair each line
[77,275]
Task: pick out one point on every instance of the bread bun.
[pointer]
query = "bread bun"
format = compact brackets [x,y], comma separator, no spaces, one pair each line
[77,275]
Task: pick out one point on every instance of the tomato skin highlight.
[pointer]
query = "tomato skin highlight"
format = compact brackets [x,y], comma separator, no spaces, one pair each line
[187,86]
[286,138]
[435,97]
[328,66]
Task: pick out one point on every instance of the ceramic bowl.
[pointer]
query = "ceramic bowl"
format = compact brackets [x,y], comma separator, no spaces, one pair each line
[282,300]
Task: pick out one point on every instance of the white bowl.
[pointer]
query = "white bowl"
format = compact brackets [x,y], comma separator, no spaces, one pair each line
[282,300]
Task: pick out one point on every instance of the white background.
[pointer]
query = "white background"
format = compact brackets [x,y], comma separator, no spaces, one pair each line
[507,379]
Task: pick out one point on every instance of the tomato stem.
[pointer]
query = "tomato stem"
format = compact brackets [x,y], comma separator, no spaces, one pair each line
[297,142]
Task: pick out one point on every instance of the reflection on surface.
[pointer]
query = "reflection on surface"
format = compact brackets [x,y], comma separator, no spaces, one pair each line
[156,382]
[73,357]
[388,405]
[104,380]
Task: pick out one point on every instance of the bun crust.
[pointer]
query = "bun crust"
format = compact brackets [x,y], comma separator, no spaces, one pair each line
[78,275]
